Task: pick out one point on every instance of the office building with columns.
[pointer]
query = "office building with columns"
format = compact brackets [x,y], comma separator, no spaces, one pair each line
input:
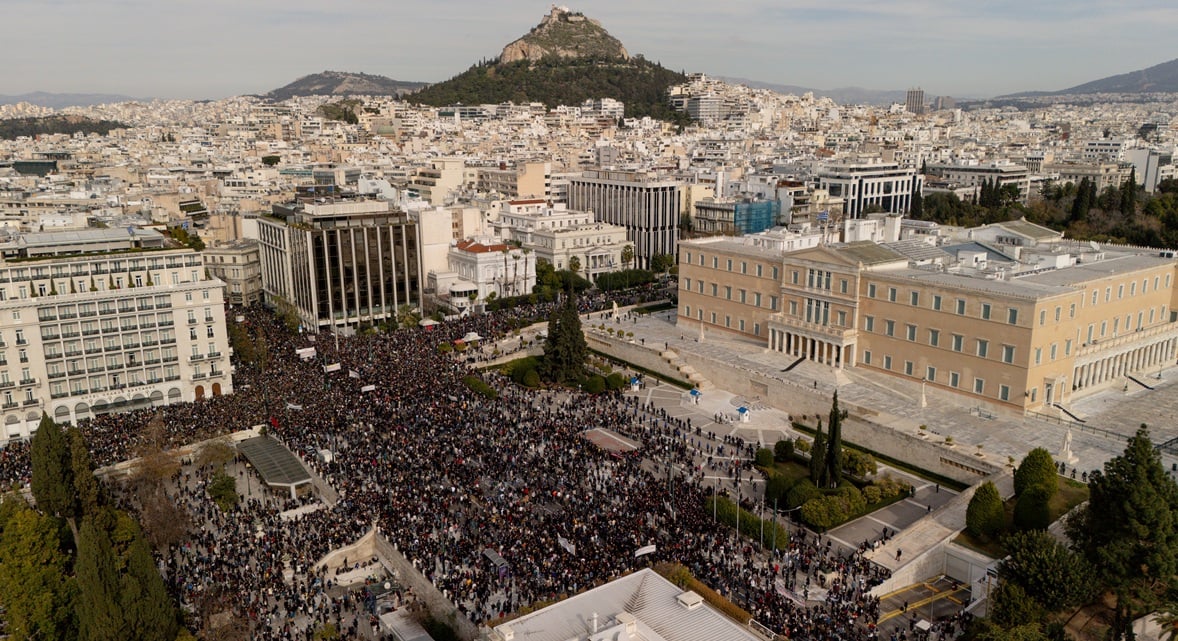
[871,184]
[1007,327]
[340,264]
[646,204]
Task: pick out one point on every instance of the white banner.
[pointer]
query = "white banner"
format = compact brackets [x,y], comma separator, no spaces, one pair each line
[306,353]
[643,551]
[334,367]
[292,406]
[353,373]
[368,388]
[567,545]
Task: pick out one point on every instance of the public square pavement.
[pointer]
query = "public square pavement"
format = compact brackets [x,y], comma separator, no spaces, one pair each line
[1111,416]
[766,426]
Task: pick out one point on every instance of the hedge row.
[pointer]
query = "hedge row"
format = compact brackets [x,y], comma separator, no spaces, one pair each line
[750,525]
[477,386]
[681,577]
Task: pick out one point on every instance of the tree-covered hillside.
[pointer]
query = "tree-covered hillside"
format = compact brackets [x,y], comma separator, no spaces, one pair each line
[38,126]
[640,84]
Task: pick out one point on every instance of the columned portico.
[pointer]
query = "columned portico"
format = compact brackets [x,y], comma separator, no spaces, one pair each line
[818,345]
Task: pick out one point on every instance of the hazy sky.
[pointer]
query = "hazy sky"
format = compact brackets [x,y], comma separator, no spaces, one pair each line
[218,48]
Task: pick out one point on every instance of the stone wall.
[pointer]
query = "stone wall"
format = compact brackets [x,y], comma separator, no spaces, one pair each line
[439,606]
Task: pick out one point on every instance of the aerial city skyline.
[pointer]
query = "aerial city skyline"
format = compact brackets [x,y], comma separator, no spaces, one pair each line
[199,50]
[573,346]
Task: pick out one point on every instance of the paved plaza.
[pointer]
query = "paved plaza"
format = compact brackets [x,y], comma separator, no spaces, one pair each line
[1111,416]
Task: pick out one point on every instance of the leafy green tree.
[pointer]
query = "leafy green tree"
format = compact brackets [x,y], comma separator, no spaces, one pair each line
[783,450]
[223,490]
[52,478]
[1047,570]
[574,264]
[1032,510]
[1010,606]
[270,160]
[565,349]
[764,457]
[834,451]
[1128,529]
[35,587]
[1037,469]
[984,516]
[818,458]
[1083,201]
[776,488]
[661,262]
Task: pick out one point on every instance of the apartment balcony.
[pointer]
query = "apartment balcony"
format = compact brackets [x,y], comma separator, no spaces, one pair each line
[71,334]
[77,372]
[22,341]
[196,376]
[25,382]
[7,384]
[10,406]
[50,337]
[31,401]
[56,375]
[197,357]
[89,350]
[71,353]
[167,323]
[90,332]
[173,377]
[171,359]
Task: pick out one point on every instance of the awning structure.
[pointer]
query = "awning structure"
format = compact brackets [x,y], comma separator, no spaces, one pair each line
[277,465]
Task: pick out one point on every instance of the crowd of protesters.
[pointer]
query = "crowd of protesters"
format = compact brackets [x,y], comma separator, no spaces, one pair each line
[499,503]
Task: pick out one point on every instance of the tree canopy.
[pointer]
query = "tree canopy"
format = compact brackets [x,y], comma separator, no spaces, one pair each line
[1128,529]
[565,349]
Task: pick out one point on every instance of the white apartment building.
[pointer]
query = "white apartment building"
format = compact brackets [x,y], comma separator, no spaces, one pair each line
[973,174]
[481,267]
[597,247]
[82,335]
[863,184]
[1103,174]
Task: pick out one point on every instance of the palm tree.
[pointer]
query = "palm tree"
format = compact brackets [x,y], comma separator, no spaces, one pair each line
[526,251]
[574,264]
[627,256]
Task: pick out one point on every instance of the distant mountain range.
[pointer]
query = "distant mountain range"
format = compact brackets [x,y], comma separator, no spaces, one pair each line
[343,83]
[1161,78]
[62,100]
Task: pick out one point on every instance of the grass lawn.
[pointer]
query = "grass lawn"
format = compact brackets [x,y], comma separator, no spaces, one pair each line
[1071,493]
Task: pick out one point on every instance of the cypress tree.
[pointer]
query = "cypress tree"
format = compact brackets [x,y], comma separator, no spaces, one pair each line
[916,211]
[85,484]
[565,349]
[97,569]
[1129,194]
[834,450]
[818,458]
[1129,529]
[52,481]
[143,599]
